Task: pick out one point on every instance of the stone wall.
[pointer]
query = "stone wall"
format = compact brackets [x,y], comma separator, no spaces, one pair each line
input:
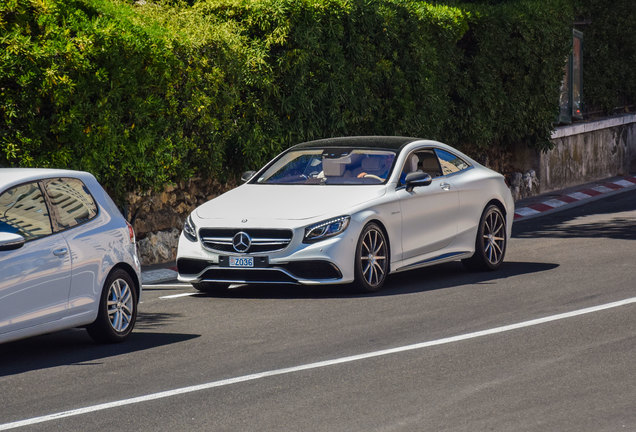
[158,217]
[586,152]
[523,185]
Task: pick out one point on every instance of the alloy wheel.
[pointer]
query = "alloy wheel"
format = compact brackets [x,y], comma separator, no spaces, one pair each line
[120,305]
[373,257]
[494,236]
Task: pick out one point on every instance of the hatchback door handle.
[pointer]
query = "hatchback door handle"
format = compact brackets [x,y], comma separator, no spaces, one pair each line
[445,186]
[60,252]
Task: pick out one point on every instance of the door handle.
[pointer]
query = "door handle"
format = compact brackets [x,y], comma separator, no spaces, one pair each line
[60,252]
[445,186]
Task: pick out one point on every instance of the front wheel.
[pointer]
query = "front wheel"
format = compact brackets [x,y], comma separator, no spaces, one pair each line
[117,309]
[490,244]
[372,259]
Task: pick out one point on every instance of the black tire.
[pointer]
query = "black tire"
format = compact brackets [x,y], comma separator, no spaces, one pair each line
[211,287]
[117,309]
[372,259]
[490,244]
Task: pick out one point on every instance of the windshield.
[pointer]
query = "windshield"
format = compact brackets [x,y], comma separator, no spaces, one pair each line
[336,166]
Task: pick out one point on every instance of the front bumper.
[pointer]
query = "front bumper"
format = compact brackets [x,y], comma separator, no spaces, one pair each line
[327,262]
[295,272]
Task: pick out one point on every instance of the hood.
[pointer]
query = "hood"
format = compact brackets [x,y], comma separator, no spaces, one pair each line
[287,202]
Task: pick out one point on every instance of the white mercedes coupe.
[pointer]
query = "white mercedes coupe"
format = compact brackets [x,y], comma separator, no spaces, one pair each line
[349,211]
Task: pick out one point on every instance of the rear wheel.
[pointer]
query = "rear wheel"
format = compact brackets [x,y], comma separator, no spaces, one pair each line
[490,244]
[117,309]
[211,287]
[372,259]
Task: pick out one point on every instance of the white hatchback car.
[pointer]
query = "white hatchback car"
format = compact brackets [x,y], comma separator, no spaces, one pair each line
[68,258]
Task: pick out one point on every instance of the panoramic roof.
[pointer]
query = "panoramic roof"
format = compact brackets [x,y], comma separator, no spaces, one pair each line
[385,142]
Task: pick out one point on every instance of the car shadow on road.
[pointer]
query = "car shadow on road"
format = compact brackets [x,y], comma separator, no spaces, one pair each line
[75,348]
[152,320]
[454,274]
[431,278]
[617,228]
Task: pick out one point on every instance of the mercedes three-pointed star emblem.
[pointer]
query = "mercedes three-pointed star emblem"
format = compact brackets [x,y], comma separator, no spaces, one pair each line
[241,241]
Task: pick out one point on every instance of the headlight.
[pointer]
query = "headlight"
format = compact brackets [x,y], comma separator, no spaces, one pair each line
[326,229]
[190,230]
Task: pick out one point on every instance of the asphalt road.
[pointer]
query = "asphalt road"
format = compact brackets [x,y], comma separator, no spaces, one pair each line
[280,359]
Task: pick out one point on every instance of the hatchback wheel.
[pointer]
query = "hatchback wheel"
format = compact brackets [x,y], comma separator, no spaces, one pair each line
[490,244]
[117,309]
[372,259]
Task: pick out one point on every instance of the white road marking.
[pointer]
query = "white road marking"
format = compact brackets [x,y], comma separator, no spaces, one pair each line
[178,295]
[321,364]
[151,286]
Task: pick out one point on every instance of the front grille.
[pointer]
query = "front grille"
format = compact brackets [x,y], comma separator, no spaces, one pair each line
[262,240]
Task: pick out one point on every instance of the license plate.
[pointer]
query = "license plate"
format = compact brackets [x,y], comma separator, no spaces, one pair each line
[241,261]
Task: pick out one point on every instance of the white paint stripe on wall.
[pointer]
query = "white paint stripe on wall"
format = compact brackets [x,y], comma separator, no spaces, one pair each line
[554,203]
[623,183]
[579,195]
[602,189]
[526,211]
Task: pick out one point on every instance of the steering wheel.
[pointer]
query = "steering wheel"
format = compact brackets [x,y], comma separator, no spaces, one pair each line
[373,176]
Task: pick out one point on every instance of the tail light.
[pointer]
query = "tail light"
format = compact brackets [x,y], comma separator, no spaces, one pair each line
[131,232]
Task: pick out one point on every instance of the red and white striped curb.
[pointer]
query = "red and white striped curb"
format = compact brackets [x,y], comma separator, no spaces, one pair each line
[580,195]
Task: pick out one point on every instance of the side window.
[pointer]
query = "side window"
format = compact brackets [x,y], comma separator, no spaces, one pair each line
[23,211]
[429,163]
[71,203]
[423,160]
[450,163]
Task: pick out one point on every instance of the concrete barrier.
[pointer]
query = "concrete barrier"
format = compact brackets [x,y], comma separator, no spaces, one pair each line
[586,152]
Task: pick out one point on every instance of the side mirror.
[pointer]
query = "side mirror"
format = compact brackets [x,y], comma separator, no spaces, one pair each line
[10,241]
[416,179]
[247,175]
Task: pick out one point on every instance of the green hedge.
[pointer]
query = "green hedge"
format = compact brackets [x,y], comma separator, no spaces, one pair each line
[92,85]
[609,53]
[343,68]
[142,95]
[511,70]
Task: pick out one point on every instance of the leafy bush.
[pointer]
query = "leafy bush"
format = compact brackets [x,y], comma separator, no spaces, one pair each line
[609,53]
[508,90]
[144,94]
[87,85]
[326,68]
